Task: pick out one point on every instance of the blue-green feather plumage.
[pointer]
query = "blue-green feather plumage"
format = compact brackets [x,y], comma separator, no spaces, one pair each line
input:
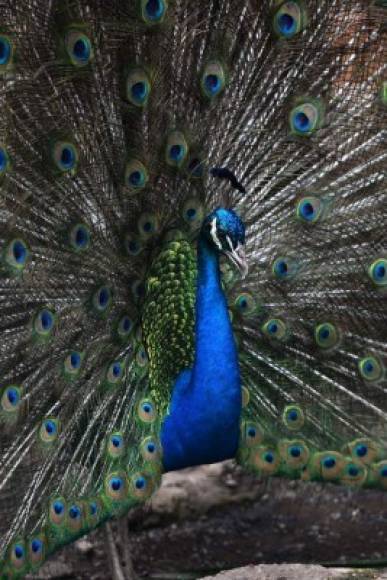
[128,345]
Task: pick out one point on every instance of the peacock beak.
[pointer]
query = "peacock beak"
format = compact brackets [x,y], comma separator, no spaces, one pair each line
[238,257]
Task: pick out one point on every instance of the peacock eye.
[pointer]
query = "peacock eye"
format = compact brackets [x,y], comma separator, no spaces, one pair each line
[4,160]
[136,175]
[371,369]
[5,51]
[176,150]
[293,417]
[36,549]
[114,373]
[115,445]
[49,431]
[43,323]
[65,156]
[150,449]
[306,117]
[378,272]
[11,399]
[102,300]
[146,411]
[124,327]
[74,516]
[16,256]
[72,364]
[148,225]
[245,304]
[212,80]
[153,11]
[57,511]
[193,212]
[18,556]
[140,486]
[138,87]
[275,329]
[285,268]
[142,357]
[309,210]
[289,19]
[116,486]
[326,335]
[78,48]
[79,238]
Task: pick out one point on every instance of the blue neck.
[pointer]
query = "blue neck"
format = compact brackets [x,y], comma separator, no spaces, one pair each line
[203,424]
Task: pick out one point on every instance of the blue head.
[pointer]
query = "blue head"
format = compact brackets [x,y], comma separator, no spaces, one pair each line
[225,232]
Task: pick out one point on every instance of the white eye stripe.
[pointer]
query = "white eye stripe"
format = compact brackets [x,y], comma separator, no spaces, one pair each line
[214,234]
[230,243]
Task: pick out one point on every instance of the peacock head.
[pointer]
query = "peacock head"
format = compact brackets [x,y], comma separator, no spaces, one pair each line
[225,231]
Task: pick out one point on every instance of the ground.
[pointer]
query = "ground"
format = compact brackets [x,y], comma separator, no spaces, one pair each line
[216,518]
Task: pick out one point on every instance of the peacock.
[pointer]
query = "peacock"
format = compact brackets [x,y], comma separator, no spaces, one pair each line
[193,252]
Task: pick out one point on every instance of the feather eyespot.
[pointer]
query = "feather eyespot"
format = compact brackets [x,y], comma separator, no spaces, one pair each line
[115,445]
[294,453]
[353,474]
[102,300]
[116,486]
[49,431]
[252,434]
[6,51]
[36,550]
[264,459]
[79,237]
[293,417]
[4,161]
[79,48]
[364,450]
[245,304]
[114,373]
[124,328]
[378,272]
[213,80]
[72,365]
[306,117]
[43,323]
[11,399]
[275,329]
[140,486]
[193,213]
[289,19]
[148,225]
[57,511]
[176,149]
[75,517]
[65,157]
[18,556]
[371,369]
[138,87]
[326,335]
[136,175]
[285,268]
[16,256]
[309,210]
[147,411]
[150,449]
[153,11]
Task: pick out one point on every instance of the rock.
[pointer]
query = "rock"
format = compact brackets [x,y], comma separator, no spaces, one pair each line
[293,572]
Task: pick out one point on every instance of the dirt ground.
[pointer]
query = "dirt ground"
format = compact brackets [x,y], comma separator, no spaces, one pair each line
[216,518]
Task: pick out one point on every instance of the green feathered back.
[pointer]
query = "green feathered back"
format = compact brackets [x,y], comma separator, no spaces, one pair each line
[168,316]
